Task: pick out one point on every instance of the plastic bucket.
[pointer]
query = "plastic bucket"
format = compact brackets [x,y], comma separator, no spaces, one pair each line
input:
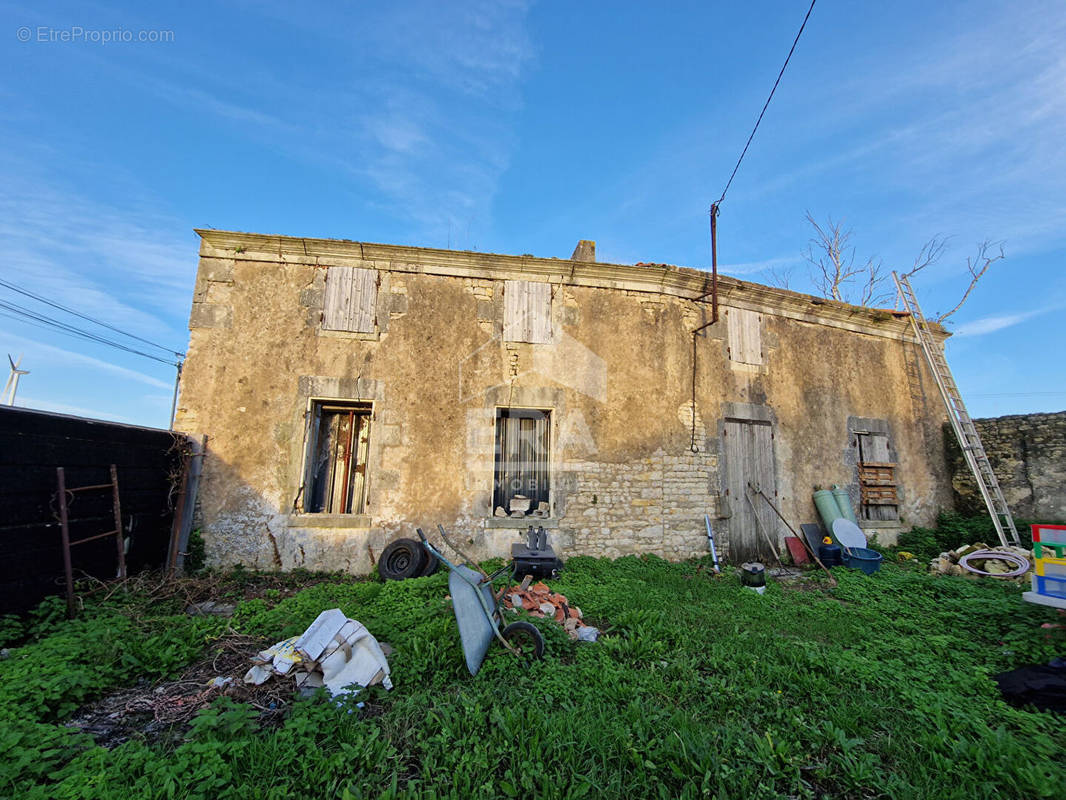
[869,561]
[830,555]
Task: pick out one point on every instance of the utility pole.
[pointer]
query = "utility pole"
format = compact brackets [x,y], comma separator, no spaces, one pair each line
[12,385]
[174,400]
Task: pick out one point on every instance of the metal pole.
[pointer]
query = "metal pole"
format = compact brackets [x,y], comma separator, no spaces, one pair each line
[118,525]
[68,570]
[179,513]
[714,262]
[174,401]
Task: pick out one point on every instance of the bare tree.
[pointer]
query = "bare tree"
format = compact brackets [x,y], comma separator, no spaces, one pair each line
[834,271]
[836,275]
[781,277]
[988,253]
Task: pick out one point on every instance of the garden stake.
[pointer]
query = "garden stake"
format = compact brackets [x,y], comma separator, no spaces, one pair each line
[758,524]
[802,539]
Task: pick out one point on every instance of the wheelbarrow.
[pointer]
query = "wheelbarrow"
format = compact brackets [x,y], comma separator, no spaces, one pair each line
[477,610]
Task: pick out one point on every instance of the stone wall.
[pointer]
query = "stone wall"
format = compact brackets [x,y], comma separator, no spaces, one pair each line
[654,505]
[1028,455]
[636,426]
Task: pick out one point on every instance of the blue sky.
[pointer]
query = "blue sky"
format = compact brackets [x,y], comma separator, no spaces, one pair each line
[520,127]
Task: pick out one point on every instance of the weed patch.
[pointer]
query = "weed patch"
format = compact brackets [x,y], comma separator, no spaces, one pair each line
[697,688]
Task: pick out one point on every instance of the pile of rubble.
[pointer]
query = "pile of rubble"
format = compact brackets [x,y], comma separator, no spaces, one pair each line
[948,563]
[540,601]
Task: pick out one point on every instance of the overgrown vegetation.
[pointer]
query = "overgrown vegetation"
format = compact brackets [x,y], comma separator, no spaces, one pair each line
[954,530]
[699,688]
[196,554]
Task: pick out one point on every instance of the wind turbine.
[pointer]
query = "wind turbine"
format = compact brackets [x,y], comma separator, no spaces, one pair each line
[12,385]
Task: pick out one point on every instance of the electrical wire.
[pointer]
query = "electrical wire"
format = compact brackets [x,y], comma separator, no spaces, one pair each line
[64,327]
[26,320]
[766,104]
[42,320]
[1014,394]
[86,317]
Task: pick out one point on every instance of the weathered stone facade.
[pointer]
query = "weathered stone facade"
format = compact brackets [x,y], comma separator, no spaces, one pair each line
[638,453]
[1028,454]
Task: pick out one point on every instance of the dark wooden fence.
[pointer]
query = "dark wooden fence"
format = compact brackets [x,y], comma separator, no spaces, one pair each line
[32,444]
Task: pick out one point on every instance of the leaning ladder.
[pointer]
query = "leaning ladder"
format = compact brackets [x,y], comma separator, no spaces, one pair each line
[961,423]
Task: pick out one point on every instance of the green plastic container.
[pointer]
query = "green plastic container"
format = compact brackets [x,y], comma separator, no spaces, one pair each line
[844,501]
[828,508]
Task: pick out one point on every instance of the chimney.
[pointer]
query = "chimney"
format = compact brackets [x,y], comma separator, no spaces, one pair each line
[585,251]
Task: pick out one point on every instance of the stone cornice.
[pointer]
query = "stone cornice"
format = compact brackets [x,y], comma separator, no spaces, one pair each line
[666,279]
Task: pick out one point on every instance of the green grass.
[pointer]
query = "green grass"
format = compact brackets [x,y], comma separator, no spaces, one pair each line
[954,530]
[699,688]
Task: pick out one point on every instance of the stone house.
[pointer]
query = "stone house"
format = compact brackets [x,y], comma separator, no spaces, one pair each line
[351,391]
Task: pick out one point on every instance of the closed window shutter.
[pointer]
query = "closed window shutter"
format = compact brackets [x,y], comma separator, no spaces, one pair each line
[350,299]
[745,336]
[527,312]
[879,496]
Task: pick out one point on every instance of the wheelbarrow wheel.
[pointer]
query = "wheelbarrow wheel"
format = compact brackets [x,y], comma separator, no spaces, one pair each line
[401,559]
[526,639]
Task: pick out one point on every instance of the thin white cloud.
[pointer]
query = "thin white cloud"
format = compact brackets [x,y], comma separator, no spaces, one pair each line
[422,111]
[997,322]
[40,404]
[126,268]
[63,356]
[751,267]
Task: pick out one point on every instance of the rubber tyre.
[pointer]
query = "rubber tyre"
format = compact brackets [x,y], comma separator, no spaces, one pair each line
[432,564]
[525,636]
[402,559]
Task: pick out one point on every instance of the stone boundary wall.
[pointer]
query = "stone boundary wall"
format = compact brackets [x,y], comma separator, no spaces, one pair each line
[1028,454]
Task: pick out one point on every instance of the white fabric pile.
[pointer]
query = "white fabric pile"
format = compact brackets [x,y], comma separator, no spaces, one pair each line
[335,651]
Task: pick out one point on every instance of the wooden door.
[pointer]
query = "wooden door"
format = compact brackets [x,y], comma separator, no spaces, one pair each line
[749,458]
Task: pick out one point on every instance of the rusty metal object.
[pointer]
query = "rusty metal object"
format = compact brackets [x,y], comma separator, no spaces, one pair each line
[803,539]
[62,491]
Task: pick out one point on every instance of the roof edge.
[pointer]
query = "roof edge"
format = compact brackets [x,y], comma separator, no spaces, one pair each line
[681,282]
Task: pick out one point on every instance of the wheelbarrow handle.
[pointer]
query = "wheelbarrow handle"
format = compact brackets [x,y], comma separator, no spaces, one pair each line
[466,558]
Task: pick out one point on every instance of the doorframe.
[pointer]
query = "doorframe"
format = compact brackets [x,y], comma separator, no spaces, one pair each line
[744,413]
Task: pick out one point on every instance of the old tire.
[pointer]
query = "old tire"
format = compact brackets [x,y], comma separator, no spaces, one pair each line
[432,564]
[401,559]
[525,637]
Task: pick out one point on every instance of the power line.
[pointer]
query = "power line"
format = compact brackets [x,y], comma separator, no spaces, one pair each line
[42,319]
[1015,394]
[766,104]
[54,304]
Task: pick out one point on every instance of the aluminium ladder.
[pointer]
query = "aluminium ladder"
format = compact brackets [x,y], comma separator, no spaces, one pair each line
[961,423]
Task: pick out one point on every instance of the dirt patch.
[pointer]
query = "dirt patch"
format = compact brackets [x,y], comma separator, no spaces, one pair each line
[161,711]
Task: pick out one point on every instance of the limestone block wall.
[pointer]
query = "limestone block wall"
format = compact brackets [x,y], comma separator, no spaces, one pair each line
[1028,455]
[654,505]
[638,407]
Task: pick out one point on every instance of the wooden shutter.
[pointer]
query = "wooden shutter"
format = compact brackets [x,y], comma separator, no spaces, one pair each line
[745,336]
[527,312]
[350,300]
[879,498]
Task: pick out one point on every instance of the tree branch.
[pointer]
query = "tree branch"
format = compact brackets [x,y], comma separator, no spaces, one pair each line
[978,266]
[929,254]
